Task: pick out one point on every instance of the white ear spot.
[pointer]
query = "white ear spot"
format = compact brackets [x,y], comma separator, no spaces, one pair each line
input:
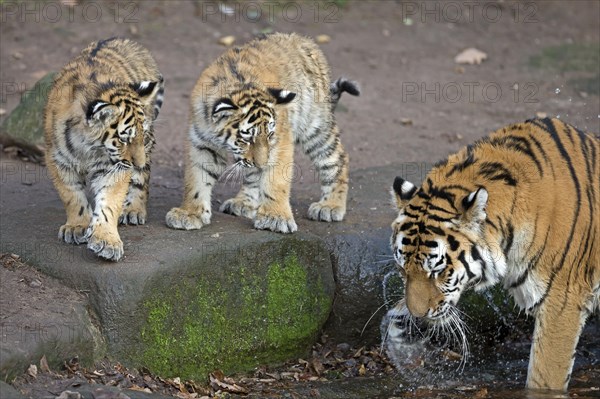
[284,93]
[144,85]
[222,106]
[98,105]
[471,196]
[406,187]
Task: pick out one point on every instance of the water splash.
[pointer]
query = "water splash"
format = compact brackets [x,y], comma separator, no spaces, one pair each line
[557,90]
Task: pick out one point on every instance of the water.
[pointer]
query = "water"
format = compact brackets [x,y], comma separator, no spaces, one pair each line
[431,366]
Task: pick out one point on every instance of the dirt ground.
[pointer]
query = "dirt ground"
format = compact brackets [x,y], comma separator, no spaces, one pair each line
[417,105]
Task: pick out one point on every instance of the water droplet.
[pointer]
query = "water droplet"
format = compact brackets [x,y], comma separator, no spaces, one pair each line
[557,90]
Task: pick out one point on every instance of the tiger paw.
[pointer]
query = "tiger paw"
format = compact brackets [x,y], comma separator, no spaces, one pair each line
[105,244]
[325,211]
[274,223]
[179,218]
[132,216]
[73,234]
[238,207]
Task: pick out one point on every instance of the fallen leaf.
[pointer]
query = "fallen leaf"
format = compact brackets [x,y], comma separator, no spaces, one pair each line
[219,381]
[322,39]
[317,366]
[470,56]
[362,370]
[44,365]
[32,370]
[406,122]
[69,395]
[227,41]
[541,114]
[140,389]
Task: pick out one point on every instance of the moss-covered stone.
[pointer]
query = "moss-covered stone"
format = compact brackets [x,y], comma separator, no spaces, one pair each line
[200,326]
[25,124]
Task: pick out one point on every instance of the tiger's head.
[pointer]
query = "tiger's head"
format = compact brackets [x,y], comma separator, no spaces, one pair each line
[247,122]
[439,246]
[118,120]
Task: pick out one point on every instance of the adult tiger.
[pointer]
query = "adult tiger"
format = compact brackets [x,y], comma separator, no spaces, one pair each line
[99,132]
[521,206]
[256,101]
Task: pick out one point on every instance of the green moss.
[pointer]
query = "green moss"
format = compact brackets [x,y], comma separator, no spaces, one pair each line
[568,57]
[26,122]
[199,326]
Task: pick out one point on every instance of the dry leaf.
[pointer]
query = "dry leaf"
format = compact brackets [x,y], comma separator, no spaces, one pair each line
[32,371]
[322,39]
[227,41]
[362,370]
[470,56]
[140,389]
[317,366]
[44,365]
[541,114]
[219,381]
[69,395]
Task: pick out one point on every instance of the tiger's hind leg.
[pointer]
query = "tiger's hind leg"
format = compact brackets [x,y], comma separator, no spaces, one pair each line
[331,162]
[246,201]
[71,189]
[134,208]
[557,329]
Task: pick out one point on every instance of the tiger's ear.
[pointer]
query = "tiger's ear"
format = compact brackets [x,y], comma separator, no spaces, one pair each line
[474,206]
[101,113]
[282,96]
[145,88]
[222,108]
[402,192]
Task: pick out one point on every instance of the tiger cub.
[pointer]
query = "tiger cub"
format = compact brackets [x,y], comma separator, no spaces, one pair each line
[256,101]
[99,133]
[521,207]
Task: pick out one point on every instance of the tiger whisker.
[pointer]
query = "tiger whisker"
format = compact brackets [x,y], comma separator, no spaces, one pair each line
[373,315]
[232,172]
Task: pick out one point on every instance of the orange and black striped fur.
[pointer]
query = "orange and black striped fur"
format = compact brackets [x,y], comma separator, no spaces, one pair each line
[521,207]
[99,134]
[255,102]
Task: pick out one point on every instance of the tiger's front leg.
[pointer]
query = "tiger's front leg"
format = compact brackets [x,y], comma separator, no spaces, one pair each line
[134,209]
[203,168]
[109,189]
[557,328]
[274,211]
[71,189]
[245,202]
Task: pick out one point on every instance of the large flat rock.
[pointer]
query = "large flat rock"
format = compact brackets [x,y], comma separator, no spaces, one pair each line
[180,302]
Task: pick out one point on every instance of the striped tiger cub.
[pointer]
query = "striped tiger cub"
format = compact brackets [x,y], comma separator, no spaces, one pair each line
[256,102]
[99,134]
[521,207]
